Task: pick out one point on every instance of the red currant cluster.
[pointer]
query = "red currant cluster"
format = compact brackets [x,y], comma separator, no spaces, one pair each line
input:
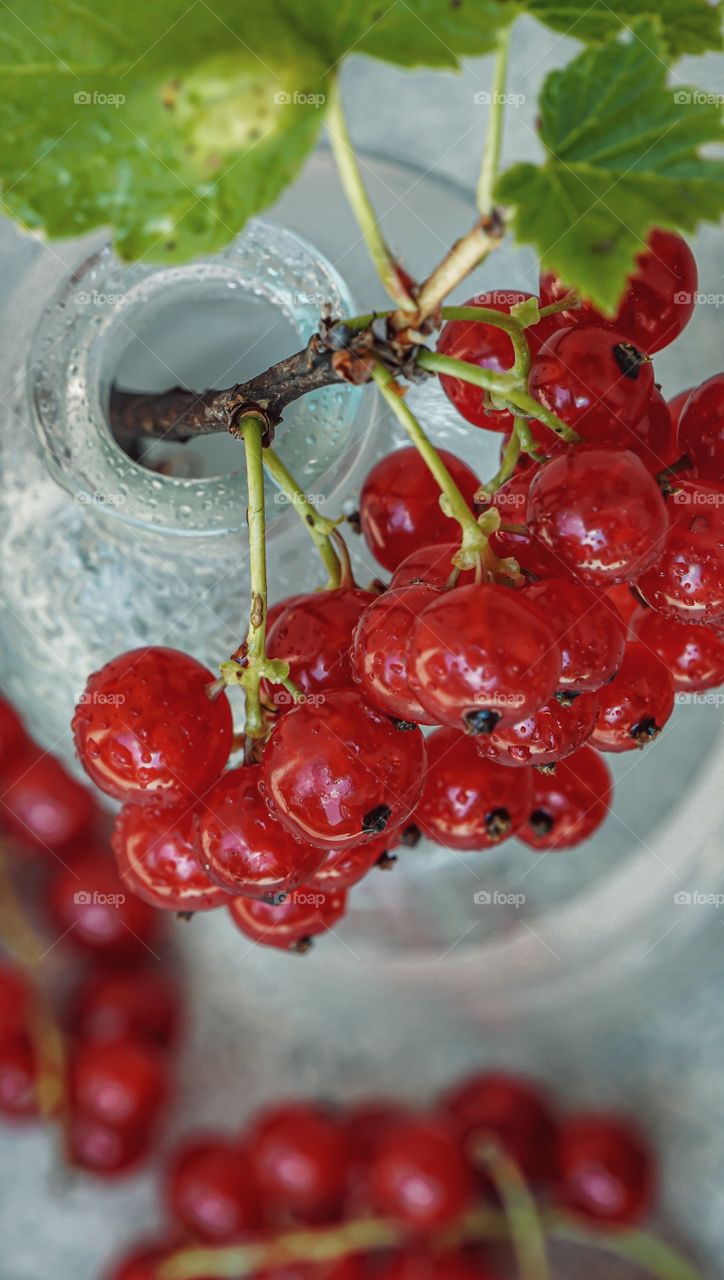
[301,1174]
[523,648]
[101,1066]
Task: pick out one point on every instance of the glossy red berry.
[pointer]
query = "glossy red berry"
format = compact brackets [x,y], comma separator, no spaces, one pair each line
[693,653]
[291,924]
[594,380]
[243,847]
[604,1170]
[380,651]
[600,512]
[701,429]
[469,802]
[489,347]
[13,738]
[105,1150]
[511,1111]
[653,439]
[589,633]
[533,556]
[482,656]
[158,859]
[146,730]
[686,582]
[569,805]
[123,1084]
[342,772]
[400,504]
[548,735]
[676,405]
[141,1006]
[343,868]
[18,1079]
[300,1157]
[659,299]
[314,635]
[42,804]
[431,565]
[636,704]
[94,912]
[419,1176]
[621,602]
[211,1191]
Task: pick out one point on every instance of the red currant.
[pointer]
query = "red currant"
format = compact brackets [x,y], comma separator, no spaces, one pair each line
[482,656]
[42,804]
[552,732]
[103,1149]
[621,602]
[653,439]
[432,566]
[146,730]
[605,1170]
[343,772]
[694,654]
[92,909]
[600,512]
[514,1112]
[676,405]
[211,1191]
[18,1079]
[419,1176]
[300,1157]
[243,847]
[400,504]
[15,1003]
[368,1126]
[13,738]
[532,555]
[127,1006]
[594,380]
[344,868]
[701,429]
[289,925]
[636,704]
[314,635]
[569,805]
[380,652]
[590,635]
[123,1084]
[489,347]
[467,801]
[158,859]
[686,582]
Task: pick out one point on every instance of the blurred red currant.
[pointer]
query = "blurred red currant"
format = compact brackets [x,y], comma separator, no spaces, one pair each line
[123,1084]
[92,909]
[636,704]
[512,1111]
[300,1156]
[469,802]
[18,1079]
[140,1006]
[604,1170]
[569,805]
[13,738]
[42,804]
[14,1003]
[102,1149]
[211,1191]
[419,1176]
[400,504]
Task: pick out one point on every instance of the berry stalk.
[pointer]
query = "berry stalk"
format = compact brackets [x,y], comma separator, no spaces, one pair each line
[494,138]
[320,529]
[527,1235]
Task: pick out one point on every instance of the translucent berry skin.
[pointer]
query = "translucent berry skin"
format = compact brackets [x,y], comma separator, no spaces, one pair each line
[400,504]
[550,734]
[469,802]
[621,602]
[243,847]
[146,731]
[653,439]
[693,653]
[590,635]
[18,1080]
[43,805]
[636,704]
[314,635]
[210,1190]
[569,805]
[605,1170]
[380,651]
[488,347]
[289,925]
[157,858]
[659,299]
[701,429]
[514,1111]
[122,1085]
[533,556]
[13,738]
[481,656]
[593,380]
[686,582]
[600,512]
[143,1007]
[419,1176]
[431,565]
[93,911]
[343,772]
[300,1156]
[343,868]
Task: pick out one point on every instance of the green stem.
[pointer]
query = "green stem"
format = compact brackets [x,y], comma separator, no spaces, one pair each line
[494,138]
[319,528]
[527,1235]
[514,329]
[252,434]
[570,300]
[351,178]
[507,465]
[522,400]
[501,383]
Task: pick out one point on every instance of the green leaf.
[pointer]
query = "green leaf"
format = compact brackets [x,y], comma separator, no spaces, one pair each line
[621,156]
[433,33]
[686,26]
